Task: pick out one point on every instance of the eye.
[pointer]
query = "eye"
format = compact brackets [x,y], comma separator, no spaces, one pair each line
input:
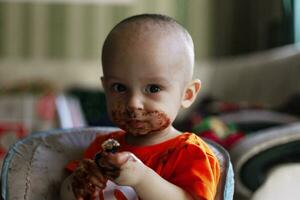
[118,87]
[152,89]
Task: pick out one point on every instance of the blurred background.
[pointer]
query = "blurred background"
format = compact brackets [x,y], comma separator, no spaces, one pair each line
[247,56]
[60,41]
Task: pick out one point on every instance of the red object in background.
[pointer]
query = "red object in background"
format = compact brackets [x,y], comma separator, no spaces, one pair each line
[46,107]
[227,142]
[232,139]
[6,128]
[211,135]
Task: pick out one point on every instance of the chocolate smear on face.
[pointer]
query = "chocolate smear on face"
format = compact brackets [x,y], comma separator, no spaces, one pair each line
[140,121]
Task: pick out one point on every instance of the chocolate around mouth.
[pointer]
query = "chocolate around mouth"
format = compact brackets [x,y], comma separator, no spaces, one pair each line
[136,123]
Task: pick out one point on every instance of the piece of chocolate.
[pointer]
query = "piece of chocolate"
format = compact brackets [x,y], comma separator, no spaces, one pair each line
[110,146]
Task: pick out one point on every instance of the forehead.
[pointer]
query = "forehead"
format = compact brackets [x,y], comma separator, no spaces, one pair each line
[144,59]
[148,48]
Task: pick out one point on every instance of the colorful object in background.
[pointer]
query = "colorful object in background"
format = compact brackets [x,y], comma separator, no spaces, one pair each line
[30,103]
[45,107]
[10,132]
[211,106]
[93,105]
[33,106]
[214,129]
[35,112]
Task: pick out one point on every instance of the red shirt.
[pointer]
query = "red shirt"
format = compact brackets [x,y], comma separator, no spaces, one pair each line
[185,161]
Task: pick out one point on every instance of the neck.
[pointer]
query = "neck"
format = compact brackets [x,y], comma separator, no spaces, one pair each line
[152,138]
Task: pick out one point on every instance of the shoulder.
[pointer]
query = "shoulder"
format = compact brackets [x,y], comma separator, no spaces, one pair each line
[197,170]
[194,141]
[195,147]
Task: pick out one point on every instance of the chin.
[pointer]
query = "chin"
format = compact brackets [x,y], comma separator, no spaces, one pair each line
[136,132]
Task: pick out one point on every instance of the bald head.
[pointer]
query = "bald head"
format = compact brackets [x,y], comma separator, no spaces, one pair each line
[151,32]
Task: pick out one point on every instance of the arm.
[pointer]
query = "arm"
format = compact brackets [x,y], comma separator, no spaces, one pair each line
[146,182]
[160,188]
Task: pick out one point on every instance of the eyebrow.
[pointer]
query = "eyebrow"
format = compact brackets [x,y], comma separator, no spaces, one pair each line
[160,80]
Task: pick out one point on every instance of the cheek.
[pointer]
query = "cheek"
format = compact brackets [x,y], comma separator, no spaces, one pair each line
[115,110]
[158,121]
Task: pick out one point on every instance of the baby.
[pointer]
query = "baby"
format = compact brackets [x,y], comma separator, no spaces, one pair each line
[147,64]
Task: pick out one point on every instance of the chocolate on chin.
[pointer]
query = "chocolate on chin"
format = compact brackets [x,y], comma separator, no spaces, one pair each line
[110,146]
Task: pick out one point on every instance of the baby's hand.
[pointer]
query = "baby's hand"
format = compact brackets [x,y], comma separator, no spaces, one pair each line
[123,168]
[87,180]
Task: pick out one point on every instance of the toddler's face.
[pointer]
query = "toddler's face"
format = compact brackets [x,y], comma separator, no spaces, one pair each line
[143,88]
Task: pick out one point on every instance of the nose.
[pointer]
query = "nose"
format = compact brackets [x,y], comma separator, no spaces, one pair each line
[134,101]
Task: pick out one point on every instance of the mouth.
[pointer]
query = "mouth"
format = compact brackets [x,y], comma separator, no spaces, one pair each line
[137,124]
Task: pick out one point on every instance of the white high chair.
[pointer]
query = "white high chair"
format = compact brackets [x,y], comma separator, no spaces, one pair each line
[34,167]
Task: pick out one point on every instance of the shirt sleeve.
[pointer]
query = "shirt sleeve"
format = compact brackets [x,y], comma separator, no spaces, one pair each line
[197,172]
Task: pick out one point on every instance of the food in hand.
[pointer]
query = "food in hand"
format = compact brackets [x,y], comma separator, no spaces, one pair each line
[110,146]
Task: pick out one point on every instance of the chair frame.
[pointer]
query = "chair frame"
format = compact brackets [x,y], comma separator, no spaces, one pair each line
[225,187]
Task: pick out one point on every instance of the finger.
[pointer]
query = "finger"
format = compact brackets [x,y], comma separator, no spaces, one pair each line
[98,172]
[87,163]
[107,167]
[83,189]
[76,189]
[112,174]
[97,178]
[92,170]
[93,176]
[118,159]
[78,194]
[100,183]
[95,195]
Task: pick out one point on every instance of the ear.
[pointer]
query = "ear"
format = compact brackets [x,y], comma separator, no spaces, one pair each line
[190,93]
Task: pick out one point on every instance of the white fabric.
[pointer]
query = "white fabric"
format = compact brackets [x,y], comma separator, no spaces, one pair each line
[282,183]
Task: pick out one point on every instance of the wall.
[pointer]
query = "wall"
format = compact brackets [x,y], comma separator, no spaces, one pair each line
[268,77]
[62,42]
[247,26]
[76,31]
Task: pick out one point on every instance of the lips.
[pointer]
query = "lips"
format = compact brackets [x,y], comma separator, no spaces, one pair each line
[137,124]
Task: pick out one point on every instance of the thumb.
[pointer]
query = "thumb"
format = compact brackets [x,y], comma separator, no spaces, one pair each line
[119,159]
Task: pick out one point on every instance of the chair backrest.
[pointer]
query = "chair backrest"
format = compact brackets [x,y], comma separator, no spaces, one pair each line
[34,167]
[226,183]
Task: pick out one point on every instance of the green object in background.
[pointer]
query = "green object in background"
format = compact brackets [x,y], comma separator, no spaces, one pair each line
[220,128]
